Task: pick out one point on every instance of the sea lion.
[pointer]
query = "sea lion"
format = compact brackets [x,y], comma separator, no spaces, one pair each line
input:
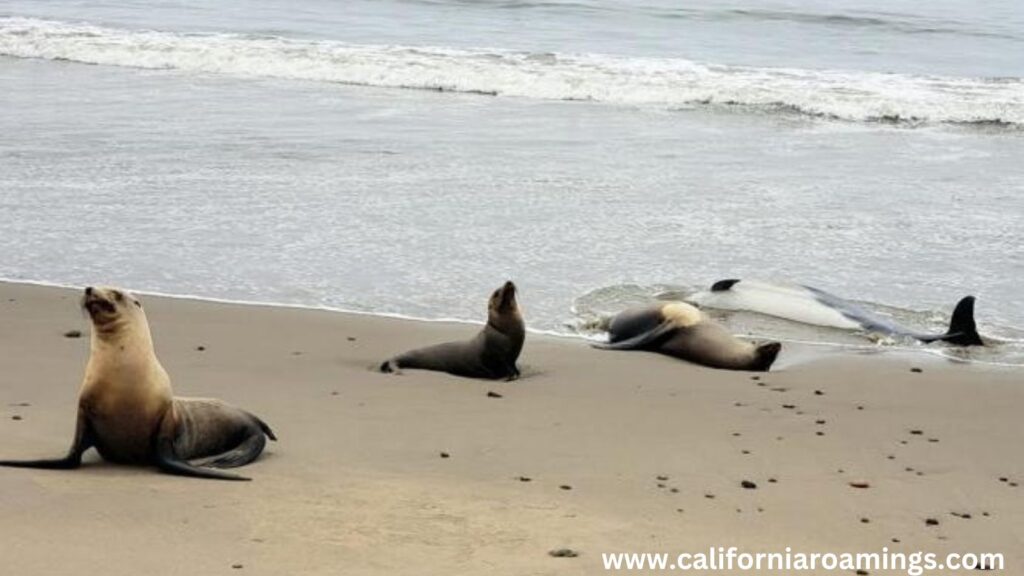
[810,305]
[681,330]
[127,412]
[491,354]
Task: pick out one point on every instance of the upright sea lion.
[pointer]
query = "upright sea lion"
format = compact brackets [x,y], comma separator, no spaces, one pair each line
[490,354]
[681,330]
[810,305]
[127,412]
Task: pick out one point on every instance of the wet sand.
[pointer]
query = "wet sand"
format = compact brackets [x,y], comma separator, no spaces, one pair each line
[591,450]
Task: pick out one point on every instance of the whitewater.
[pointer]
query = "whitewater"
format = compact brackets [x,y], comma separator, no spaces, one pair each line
[664,82]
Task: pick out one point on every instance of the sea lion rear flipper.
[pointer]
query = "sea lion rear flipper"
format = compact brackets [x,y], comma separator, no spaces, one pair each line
[167,461]
[82,442]
[247,450]
[640,341]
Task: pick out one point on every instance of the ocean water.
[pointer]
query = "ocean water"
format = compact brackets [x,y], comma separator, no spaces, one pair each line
[408,156]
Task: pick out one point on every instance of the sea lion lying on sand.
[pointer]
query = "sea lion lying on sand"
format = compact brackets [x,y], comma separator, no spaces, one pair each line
[492,353]
[681,330]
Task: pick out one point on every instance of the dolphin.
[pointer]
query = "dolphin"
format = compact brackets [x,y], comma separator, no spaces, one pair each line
[810,305]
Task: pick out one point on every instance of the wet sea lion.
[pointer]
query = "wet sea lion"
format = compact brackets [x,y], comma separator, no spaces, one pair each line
[810,305]
[127,412]
[681,330]
[492,353]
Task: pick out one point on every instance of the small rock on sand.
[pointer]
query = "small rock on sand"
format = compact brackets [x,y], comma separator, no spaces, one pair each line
[525,479]
[916,370]
[200,348]
[661,477]
[931,522]
[73,334]
[494,395]
[916,432]
[15,417]
[565,487]
[445,455]
[860,484]
[563,553]
[748,485]
[819,393]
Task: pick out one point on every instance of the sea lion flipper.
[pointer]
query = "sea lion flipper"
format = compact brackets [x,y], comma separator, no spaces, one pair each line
[642,340]
[246,451]
[82,442]
[167,461]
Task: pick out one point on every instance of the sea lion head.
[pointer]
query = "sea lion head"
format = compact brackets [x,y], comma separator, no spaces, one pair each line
[503,310]
[111,310]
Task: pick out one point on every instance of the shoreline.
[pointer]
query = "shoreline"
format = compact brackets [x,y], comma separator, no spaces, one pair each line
[357,479]
[823,348]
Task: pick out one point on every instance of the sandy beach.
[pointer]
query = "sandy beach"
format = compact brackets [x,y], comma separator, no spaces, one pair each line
[593,451]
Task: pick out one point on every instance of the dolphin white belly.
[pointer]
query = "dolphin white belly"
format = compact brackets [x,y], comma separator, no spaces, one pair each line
[789,301]
[817,307]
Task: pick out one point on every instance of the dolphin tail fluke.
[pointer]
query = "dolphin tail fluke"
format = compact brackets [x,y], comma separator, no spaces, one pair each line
[962,329]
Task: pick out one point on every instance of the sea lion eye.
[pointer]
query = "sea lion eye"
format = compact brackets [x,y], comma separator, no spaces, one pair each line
[137,303]
[118,296]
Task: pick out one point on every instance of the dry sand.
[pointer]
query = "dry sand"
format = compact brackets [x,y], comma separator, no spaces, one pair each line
[357,484]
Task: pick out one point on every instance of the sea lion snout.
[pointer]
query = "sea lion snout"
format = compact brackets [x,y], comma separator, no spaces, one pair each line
[506,295]
[102,303]
[94,302]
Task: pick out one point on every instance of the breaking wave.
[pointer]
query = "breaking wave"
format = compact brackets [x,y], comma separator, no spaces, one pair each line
[672,83]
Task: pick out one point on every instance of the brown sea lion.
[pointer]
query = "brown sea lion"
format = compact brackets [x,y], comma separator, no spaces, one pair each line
[682,330]
[127,412]
[490,354]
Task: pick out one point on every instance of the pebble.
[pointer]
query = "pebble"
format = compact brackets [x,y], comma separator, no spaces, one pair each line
[563,553]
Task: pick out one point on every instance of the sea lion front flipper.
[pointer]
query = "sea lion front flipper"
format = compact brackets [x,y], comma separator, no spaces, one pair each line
[640,341]
[82,442]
